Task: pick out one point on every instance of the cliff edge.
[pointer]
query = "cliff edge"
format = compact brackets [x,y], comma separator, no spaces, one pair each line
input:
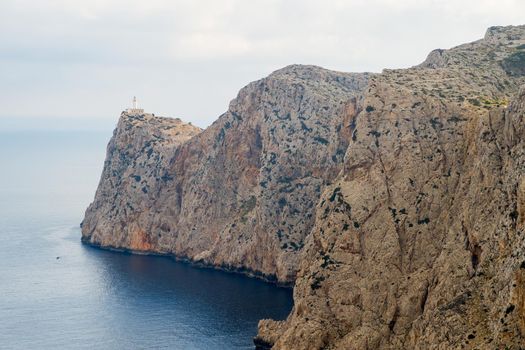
[240,195]
[418,243]
[393,201]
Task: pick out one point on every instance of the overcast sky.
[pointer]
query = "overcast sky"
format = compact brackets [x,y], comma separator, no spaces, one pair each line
[81,61]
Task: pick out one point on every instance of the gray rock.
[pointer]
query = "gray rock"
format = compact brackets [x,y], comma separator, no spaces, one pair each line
[395,201]
[240,195]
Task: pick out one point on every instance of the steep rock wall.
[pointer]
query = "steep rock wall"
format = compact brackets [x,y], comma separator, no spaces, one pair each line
[240,195]
[419,243]
[394,200]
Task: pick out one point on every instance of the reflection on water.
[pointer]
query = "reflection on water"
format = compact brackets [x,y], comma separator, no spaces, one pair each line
[56,293]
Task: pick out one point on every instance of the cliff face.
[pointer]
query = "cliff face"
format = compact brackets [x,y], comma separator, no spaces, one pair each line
[419,241]
[132,178]
[395,200]
[240,195]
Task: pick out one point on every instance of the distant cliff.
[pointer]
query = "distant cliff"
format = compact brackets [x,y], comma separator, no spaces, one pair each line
[240,195]
[395,201]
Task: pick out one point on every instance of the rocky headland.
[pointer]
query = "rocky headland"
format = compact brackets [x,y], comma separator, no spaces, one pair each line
[393,202]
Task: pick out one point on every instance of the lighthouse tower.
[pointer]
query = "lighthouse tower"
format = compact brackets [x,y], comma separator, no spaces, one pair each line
[135,110]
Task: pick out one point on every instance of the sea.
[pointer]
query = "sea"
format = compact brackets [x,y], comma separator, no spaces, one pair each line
[56,293]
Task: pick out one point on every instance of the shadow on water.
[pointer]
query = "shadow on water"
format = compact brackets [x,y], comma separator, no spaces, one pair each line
[212,304]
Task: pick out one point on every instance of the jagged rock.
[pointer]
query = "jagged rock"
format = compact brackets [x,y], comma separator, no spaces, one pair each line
[133,176]
[394,200]
[240,195]
[418,243]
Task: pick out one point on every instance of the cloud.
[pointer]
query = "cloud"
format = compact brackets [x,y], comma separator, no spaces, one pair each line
[177,53]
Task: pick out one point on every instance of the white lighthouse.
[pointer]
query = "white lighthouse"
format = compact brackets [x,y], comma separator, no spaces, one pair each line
[134,110]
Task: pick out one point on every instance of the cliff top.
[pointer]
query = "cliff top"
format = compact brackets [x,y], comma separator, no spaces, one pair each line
[172,129]
[481,74]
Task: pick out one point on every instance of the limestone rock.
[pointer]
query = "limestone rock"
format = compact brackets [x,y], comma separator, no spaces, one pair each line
[395,201]
[240,195]
[133,175]
[418,244]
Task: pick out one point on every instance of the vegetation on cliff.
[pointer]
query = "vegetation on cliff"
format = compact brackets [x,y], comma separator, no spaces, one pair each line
[394,201]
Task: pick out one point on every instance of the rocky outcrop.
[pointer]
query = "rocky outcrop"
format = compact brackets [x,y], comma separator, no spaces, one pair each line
[240,195]
[418,244]
[132,178]
[395,201]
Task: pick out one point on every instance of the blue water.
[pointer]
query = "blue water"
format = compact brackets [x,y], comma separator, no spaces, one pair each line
[56,293]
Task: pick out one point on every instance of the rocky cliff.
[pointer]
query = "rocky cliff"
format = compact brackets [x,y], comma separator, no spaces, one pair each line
[240,195]
[419,242]
[395,201]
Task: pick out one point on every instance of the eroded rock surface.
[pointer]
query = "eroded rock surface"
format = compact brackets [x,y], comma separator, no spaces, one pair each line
[395,201]
[419,243]
[240,195]
[133,176]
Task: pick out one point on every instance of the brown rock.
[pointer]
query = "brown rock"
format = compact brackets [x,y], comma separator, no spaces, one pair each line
[240,195]
[395,200]
[418,243]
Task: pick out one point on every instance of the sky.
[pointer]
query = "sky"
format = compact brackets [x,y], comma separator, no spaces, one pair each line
[78,63]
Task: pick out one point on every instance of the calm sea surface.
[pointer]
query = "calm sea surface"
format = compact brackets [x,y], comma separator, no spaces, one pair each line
[56,293]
